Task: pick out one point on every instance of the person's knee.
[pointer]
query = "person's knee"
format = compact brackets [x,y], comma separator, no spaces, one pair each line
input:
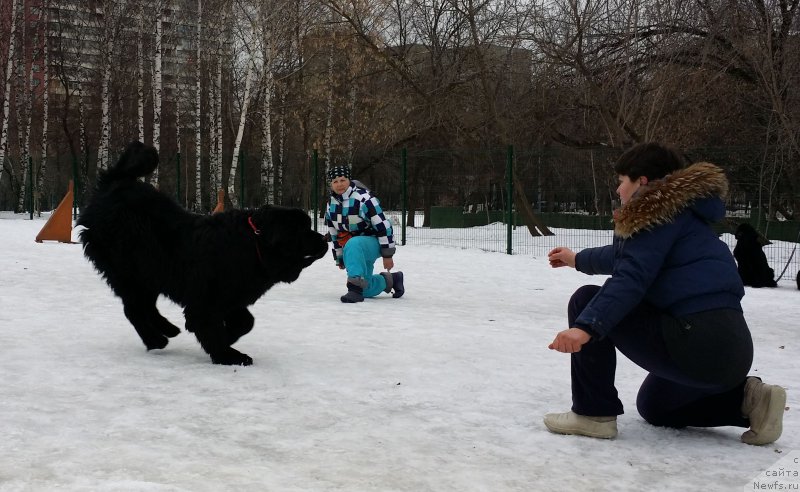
[585,292]
[362,247]
[359,242]
[580,298]
[649,412]
[653,411]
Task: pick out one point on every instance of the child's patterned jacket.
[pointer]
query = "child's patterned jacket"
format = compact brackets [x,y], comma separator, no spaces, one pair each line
[357,213]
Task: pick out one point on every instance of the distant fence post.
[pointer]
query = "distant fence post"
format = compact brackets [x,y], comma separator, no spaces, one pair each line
[77,186]
[403,194]
[315,186]
[241,180]
[178,177]
[30,186]
[510,195]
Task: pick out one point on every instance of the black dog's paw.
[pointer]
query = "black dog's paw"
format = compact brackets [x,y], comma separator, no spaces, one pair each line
[168,329]
[156,342]
[237,324]
[231,357]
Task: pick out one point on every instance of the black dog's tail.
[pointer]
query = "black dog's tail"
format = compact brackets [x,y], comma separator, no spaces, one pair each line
[138,160]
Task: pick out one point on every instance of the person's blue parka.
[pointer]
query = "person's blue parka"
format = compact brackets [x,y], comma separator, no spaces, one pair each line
[665,252]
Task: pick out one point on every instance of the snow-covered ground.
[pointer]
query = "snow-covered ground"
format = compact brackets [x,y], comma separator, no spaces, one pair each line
[442,390]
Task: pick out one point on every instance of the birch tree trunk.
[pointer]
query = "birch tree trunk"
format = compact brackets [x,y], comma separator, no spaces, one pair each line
[157,85]
[84,140]
[21,92]
[27,158]
[198,192]
[105,118]
[267,194]
[278,168]
[299,59]
[217,28]
[239,134]
[178,104]
[218,125]
[351,144]
[45,117]
[7,93]
[107,50]
[327,150]
[140,78]
[214,183]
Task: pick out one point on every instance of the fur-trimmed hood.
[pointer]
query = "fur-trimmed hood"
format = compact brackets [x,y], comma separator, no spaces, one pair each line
[660,201]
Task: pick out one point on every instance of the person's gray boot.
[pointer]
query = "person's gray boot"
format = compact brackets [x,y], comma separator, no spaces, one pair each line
[394,281]
[581,425]
[354,294]
[763,404]
[398,288]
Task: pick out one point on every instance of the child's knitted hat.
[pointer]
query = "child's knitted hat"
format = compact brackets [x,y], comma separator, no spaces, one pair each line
[337,171]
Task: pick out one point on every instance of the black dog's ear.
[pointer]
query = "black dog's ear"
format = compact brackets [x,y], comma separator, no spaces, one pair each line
[281,227]
[262,215]
[137,160]
[262,219]
[739,232]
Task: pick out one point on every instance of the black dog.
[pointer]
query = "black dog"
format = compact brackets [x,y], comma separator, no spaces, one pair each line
[750,258]
[214,266]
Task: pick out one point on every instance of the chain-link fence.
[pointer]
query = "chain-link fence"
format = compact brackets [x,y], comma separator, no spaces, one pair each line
[517,201]
[510,200]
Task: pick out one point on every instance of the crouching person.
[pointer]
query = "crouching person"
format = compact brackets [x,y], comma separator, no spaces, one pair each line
[672,305]
[360,234]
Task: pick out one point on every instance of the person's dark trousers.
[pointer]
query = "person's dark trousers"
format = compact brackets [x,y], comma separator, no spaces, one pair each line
[668,396]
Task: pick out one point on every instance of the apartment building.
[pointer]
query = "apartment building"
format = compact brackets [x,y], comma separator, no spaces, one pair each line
[79,33]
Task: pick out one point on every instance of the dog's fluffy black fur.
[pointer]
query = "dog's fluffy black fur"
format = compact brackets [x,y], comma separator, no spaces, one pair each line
[214,266]
[750,258]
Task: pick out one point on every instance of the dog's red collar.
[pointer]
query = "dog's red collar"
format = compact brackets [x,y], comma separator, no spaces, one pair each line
[257,232]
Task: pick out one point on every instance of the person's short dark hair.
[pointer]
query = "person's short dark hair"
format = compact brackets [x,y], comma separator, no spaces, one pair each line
[650,159]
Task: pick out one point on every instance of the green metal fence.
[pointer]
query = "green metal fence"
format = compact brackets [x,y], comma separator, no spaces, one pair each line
[467,198]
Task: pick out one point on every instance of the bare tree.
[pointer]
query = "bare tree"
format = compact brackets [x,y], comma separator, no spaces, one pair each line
[6,114]
[198,122]
[219,28]
[237,145]
[24,117]
[42,174]
[140,71]
[267,19]
[158,86]
[68,49]
[113,16]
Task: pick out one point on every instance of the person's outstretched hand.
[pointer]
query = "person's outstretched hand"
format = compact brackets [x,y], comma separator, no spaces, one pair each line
[388,264]
[570,340]
[560,257]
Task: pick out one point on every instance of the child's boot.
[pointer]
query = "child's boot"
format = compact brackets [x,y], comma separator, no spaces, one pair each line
[394,282]
[354,293]
[398,288]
